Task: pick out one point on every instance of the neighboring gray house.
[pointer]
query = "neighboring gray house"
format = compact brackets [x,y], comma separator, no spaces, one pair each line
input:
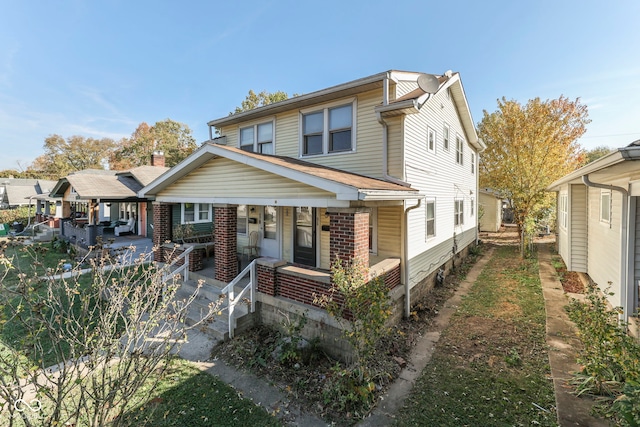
[599,224]
[16,192]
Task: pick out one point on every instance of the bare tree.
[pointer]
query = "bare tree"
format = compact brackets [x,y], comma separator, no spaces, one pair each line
[88,342]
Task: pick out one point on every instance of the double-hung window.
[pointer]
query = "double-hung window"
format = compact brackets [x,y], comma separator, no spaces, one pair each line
[329,130]
[605,206]
[459,149]
[430,217]
[458,218]
[445,137]
[257,138]
[563,210]
[431,140]
[196,212]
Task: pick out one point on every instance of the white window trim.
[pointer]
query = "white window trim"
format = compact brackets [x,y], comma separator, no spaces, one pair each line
[255,125]
[458,214]
[460,159]
[325,131]
[246,221]
[428,237]
[563,210]
[448,139]
[196,214]
[608,195]
[431,132]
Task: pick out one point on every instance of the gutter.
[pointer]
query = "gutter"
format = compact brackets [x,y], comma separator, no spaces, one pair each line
[405,243]
[625,296]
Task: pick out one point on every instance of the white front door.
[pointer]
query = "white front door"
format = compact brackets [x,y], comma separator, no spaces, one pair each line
[270,242]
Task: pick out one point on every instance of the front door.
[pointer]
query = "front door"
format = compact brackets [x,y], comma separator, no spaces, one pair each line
[270,245]
[304,238]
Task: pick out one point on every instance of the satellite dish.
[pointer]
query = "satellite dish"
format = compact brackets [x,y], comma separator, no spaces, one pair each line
[428,83]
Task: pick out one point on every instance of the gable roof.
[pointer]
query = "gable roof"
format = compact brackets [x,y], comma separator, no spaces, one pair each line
[19,191]
[409,103]
[92,184]
[347,185]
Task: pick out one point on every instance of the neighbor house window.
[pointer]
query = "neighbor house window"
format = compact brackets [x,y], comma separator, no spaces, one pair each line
[430,207]
[196,212]
[242,219]
[445,137]
[459,149]
[605,206]
[472,208]
[473,163]
[329,130]
[257,138]
[563,210]
[431,140]
[458,218]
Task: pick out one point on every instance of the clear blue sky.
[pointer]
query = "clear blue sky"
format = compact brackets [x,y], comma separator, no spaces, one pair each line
[99,68]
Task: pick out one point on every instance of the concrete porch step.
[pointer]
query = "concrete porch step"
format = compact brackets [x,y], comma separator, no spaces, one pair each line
[218,326]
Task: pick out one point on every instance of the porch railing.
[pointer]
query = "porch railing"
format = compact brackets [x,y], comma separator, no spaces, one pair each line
[233,299]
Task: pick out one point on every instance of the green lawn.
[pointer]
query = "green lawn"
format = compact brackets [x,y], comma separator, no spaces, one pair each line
[490,367]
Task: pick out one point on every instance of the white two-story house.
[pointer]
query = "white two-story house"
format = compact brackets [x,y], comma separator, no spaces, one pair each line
[382,170]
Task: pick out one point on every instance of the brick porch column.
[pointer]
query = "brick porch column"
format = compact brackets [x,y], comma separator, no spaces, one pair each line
[349,235]
[226,258]
[161,229]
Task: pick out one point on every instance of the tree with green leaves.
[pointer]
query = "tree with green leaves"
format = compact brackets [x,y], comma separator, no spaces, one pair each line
[63,156]
[171,137]
[255,100]
[597,152]
[528,147]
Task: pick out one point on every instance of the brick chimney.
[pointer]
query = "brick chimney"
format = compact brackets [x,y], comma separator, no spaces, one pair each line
[157,158]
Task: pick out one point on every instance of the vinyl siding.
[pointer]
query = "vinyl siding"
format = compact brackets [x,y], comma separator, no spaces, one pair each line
[367,160]
[440,178]
[225,178]
[287,234]
[389,231]
[491,218]
[395,138]
[578,223]
[604,244]
[636,249]
[563,233]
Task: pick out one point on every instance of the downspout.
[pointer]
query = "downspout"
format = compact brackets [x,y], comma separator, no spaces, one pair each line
[405,241]
[624,245]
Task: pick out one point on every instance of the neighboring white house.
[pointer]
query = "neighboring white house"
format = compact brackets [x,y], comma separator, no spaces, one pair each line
[598,224]
[490,211]
[383,169]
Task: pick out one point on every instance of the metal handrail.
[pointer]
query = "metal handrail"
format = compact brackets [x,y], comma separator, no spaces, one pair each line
[184,267]
[232,299]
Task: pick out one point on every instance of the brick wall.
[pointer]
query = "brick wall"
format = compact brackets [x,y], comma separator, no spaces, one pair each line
[349,236]
[161,229]
[226,258]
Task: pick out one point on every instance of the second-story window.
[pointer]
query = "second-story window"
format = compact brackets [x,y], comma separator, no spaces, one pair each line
[257,138]
[459,149]
[329,130]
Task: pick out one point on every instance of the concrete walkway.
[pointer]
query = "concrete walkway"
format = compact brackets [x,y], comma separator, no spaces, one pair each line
[563,344]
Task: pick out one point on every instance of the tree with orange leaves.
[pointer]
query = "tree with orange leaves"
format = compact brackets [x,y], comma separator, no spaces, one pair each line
[528,147]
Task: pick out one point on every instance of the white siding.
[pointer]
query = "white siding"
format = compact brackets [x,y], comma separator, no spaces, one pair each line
[491,217]
[636,254]
[563,232]
[604,244]
[578,224]
[440,178]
